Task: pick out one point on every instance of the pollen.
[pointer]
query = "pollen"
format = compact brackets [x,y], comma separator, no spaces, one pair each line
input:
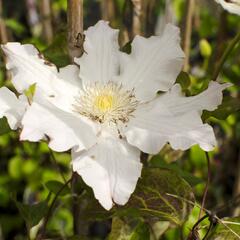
[108,102]
[104,102]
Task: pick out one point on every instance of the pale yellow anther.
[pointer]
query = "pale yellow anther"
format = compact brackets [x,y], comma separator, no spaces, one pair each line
[104,102]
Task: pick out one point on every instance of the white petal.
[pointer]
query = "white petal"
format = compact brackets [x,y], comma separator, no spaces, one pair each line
[28,67]
[232,6]
[64,129]
[111,168]
[12,107]
[207,100]
[175,119]
[153,64]
[66,87]
[99,63]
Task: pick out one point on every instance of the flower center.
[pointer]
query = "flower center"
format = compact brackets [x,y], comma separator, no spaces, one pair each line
[106,103]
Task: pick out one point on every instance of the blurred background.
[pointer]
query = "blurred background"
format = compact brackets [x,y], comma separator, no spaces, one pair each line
[26,167]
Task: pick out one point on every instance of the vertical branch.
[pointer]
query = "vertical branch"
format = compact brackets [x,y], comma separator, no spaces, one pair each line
[75,48]
[207,185]
[75,27]
[108,10]
[188,32]
[46,20]
[33,17]
[3,30]
[137,17]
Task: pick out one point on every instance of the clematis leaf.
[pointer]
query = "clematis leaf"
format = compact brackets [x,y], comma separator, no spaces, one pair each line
[32,214]
[184,80]
[4,127]
[230,232]
[121,230]
[229,105]
[57,52]
[158,162]
[141,232]
[162,194]
[55,187]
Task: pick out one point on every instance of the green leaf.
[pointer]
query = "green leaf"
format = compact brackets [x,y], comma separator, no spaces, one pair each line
[55,186]
[222,232]
[15,167]
[163,195]
[229,105]
[57,52]
[127,48]
[4,127]
[157,161]
[120,230]
[141,232]
[14,25]
[184,80]
[32,214]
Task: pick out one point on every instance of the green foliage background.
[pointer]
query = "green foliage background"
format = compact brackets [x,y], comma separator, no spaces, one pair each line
[31,175]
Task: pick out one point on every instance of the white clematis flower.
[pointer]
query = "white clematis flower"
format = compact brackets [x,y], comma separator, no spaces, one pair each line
[12,107]
[110,111]
[232,6]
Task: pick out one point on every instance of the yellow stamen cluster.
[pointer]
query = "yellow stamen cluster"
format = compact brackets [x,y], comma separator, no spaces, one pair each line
[106,103]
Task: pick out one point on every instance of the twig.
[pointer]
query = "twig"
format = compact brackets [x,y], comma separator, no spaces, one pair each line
[207,185]
[225,55]
[56,164]
[46,20]
[75,27]
[188,33]
[108,10]
[207,211]
[137,17]
[3,30]
[43,231]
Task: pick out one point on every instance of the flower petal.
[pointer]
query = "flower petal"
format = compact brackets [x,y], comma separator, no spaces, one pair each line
[153,64]
[232,6]
[175,119]
[64,129]
[12,107]
[99,63]
[28,67]
[111,168]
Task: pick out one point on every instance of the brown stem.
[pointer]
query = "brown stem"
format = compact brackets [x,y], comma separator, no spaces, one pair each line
[46,20]
[33,16]
[108,10]
[207,185]
[137,17]
[50,210]
[75,28]
[236,193]
[188,33]
[3,30]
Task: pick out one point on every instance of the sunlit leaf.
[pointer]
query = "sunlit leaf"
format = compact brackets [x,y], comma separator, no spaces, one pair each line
[221,232]
[161,194]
